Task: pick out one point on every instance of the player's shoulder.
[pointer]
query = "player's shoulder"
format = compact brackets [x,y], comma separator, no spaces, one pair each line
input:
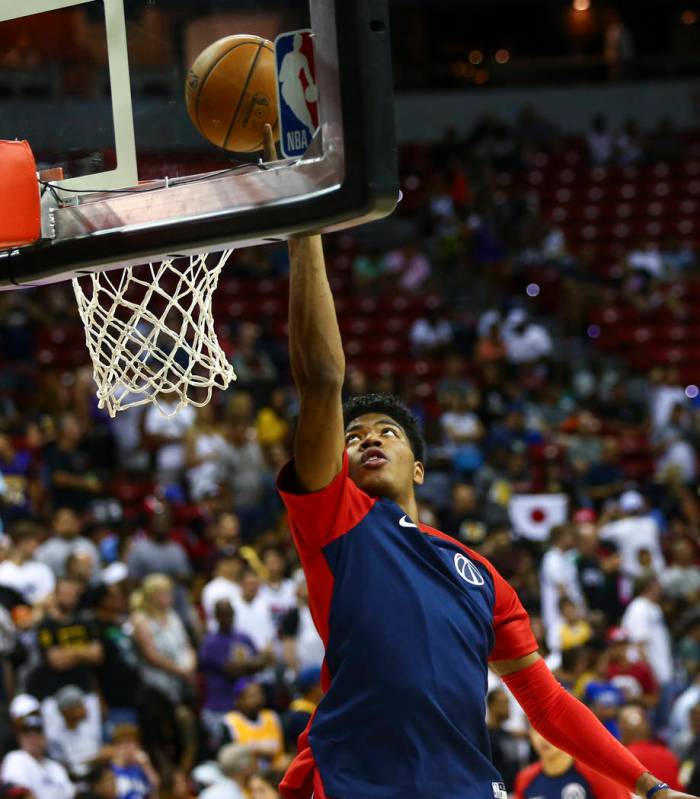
[470,553]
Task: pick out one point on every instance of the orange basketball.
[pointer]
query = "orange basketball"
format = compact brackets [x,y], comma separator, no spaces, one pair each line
[231,92]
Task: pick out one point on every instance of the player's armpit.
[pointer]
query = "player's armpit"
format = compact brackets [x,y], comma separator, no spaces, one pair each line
[506,667]
[319,445]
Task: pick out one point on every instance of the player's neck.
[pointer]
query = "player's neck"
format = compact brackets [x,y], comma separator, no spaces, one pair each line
[557,764]
[409,506]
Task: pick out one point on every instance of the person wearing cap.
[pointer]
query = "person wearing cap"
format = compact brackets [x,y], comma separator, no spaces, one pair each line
[255,726]
[28,765]
[237,764]
[635,677]
[556,774]
[73,728]
[301,709]
[631,532]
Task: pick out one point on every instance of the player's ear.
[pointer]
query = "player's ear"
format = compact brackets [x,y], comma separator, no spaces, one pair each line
[418,473]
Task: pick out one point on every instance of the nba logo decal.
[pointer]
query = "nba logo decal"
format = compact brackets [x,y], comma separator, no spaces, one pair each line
[297,93]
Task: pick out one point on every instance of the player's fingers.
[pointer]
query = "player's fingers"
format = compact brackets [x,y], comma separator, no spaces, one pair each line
[269,150]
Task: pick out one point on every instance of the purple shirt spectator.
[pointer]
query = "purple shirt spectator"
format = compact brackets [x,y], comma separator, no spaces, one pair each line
[225,657]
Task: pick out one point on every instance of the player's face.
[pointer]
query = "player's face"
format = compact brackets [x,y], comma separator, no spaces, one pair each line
[381,460]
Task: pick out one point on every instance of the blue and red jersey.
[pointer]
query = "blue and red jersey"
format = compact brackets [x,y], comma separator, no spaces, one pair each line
[577,782]
[409,617]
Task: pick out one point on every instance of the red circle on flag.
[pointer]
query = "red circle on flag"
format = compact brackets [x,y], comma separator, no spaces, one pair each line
[537,515]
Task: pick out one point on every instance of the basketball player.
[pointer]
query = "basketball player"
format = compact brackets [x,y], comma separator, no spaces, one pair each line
[409,616]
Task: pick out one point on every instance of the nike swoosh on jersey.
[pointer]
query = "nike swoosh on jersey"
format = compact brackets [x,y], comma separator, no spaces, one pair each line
[405,523]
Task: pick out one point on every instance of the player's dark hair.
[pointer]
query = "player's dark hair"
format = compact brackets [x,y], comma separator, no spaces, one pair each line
[391,406]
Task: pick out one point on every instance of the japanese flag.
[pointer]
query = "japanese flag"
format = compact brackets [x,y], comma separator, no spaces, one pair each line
[534,515]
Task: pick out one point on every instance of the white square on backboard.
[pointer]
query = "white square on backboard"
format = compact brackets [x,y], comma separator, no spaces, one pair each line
[126,173]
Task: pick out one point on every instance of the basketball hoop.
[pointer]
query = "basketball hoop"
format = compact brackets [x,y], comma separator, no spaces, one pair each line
[150,333]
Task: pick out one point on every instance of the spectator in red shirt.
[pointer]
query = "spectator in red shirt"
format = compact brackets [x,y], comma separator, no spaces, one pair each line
[634,677]
[635,732]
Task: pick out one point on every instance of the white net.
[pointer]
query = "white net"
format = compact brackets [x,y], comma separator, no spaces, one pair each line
[150,333]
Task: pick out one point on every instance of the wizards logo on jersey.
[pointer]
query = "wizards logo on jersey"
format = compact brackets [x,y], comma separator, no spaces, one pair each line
[297,93]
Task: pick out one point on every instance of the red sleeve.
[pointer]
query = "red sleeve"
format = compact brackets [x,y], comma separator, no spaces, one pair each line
[524,778]
[319,517]
[570,726]
[511,624]
[602,787]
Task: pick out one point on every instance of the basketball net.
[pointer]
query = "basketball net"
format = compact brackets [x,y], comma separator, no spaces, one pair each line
[150,333]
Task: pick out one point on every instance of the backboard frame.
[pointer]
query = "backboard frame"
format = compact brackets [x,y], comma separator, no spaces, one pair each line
[360,147]
[125,172]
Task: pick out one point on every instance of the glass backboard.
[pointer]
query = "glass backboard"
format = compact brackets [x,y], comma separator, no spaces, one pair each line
[98,89]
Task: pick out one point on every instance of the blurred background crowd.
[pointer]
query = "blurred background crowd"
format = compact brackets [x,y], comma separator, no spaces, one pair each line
[532,303]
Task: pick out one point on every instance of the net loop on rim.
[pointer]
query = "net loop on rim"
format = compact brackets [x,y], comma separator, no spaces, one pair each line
[150,333]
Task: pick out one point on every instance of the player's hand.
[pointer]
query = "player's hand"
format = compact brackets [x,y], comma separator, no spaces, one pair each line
[269,149]
[648,781]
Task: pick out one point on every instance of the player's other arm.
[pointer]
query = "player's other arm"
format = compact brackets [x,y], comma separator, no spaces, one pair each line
[318,366]
[570,726]
[554,713]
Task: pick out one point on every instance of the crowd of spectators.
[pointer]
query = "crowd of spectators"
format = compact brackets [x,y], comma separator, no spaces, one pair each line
[154,628]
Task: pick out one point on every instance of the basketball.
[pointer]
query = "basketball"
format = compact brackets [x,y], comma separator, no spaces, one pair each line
[231,92]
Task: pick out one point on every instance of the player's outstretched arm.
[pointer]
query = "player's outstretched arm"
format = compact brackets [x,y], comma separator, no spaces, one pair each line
[318,366]
[572,727]
[317,360]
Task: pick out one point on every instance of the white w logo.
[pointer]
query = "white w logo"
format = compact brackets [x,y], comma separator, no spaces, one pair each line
[467,570]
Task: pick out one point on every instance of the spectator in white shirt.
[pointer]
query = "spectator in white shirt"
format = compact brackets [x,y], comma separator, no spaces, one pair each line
[253,614]
[666,392]
[430,334]
[66,539]
[205,450]
[526,342]
[630,144]
[33,580]
[73,728]
[237,764]
[279,591]
[29,767]
[463,431]
[558,578]
[681,580]
[224,585]
[302,645]
[601,144]
[634,531]
[644,620]
[165,436]
[647,258]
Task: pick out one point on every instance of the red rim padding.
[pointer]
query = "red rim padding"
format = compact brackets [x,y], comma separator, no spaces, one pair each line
[20,206]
